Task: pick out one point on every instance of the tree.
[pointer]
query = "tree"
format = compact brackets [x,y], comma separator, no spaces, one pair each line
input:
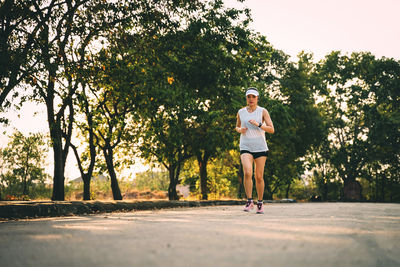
[63,42]
[114,106]
[212,53]
[208,62]
[382,118]
[119,76]
[326,177]
[357,97]
[222,176]
[281,166]
[20,22]
[138,52]
[287,91]
[23,162]
[346,95]
[87,129]
[306,128]
[91,68]
[165,138]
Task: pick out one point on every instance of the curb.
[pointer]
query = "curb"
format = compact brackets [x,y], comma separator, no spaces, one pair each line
[27,210]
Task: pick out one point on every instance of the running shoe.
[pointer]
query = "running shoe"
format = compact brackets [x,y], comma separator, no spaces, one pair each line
[260,208]
[249,206]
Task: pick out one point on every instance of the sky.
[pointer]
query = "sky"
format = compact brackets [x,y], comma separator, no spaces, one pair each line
[316,26]
[321,26]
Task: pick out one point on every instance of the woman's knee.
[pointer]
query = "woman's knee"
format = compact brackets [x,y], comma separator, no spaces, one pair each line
[259,178]
[247,174]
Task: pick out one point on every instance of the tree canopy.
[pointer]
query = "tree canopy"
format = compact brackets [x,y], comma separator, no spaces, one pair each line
[163,80]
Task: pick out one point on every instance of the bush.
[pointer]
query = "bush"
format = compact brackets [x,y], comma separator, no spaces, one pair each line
[150,186]
[300,190]
[149,180]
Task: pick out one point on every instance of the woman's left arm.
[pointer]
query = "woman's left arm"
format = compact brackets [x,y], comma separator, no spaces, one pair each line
[269,126]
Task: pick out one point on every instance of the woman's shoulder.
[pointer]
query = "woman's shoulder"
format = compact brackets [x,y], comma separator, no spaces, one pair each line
[242,109]
[263,111]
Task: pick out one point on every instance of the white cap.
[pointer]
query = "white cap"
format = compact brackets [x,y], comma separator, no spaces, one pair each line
[252,91]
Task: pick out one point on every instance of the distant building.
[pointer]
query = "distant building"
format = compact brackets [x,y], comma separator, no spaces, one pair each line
[183,190]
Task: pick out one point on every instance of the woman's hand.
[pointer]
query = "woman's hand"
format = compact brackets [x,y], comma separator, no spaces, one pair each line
[254,122]
[241,129]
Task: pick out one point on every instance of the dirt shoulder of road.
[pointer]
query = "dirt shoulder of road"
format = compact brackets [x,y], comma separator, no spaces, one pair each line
[12,210]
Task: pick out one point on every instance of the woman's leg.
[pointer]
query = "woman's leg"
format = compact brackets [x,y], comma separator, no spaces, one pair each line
[259,175]
[247,162]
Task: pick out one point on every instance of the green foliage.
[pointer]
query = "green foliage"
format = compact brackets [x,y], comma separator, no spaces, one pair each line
[287,92]
[61,44]
[363,140]
[224,170]
[299,190]
[100,189]
[150,187]
[328,189]
[18,45]
[192,85]
[22,161]
[222,173]
[152,180]
[164,80]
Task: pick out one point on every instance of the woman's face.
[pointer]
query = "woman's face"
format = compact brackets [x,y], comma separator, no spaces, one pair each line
[252,100]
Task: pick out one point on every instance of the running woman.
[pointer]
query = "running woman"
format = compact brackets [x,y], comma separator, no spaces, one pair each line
[252,123]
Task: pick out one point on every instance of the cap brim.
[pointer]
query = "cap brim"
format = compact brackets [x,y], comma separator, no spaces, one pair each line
[251,92]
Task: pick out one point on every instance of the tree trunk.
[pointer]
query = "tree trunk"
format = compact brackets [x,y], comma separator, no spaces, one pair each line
[56,134]
[172,194]
[86,186]
[351,190]
[325,191]
[383,188]
[108,155]
[25,191]
[287,190]
[268,192]
[86,177]
[241,178]
[268,195]
[391,189]
[26,173]
[376,186]
[58,178]
[203,176]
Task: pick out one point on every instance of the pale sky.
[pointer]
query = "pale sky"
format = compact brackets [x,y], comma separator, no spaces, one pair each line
[317,26]
[321,26]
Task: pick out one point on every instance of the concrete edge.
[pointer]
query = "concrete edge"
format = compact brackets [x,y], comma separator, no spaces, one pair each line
[29,210]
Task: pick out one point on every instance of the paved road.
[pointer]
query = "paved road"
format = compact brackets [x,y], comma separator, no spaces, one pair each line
[309,234]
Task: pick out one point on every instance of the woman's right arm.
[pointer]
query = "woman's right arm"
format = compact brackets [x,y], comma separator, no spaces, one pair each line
[239,128]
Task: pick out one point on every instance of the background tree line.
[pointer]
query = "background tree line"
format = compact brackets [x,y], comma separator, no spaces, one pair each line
[163,80]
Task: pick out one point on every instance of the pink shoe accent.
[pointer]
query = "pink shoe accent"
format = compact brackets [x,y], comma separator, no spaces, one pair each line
[260,208]
[249,206]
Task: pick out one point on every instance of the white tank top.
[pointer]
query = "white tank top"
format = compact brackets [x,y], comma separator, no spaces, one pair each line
[254,138]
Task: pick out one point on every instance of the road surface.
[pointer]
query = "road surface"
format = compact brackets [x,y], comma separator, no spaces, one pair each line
[302,234]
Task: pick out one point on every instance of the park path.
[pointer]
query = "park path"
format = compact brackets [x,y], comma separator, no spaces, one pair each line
[301,234]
